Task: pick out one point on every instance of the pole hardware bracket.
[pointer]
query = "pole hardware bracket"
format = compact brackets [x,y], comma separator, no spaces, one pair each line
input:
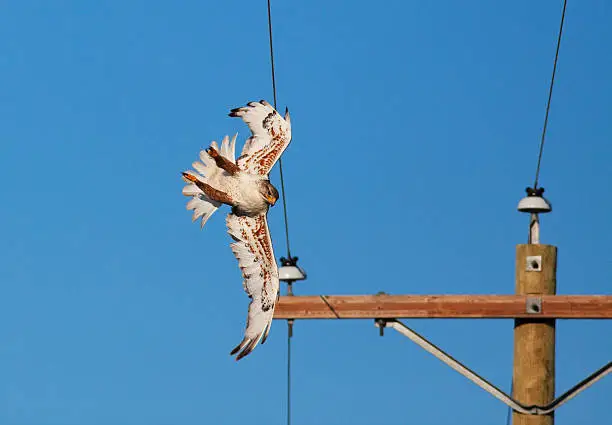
[533,263]
[381,324]
[533,305]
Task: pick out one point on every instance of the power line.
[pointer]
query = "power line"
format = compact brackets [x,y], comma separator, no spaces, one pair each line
[552,83]
[537,174]
[289,332]
[280,160]
[282,180]
[509,411]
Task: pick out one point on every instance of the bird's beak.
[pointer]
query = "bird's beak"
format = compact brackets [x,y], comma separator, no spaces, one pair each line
[271,200]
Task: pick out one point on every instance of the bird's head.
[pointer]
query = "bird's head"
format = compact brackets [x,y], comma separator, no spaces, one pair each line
[269,192]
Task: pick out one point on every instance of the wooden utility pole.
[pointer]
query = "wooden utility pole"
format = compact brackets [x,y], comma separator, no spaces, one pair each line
[534,338]
[534,308]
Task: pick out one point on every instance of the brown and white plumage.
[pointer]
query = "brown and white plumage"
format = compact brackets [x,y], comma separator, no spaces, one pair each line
[248,190]
[253,249]
[271,134]
[207,171]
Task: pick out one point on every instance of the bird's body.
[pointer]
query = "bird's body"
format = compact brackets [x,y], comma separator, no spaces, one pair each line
[244,185]
[248,195]
[243,189]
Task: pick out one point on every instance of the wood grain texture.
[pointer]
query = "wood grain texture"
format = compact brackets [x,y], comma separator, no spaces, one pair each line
[441,306]
[534,339]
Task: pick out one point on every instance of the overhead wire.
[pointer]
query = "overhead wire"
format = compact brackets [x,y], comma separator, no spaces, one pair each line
[280,160]
[509,411]
[550,91]
[543,138]
[283,195]
[289,331]
[282,180]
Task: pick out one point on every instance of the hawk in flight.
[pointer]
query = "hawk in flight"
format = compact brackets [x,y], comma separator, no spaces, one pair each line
[245,186]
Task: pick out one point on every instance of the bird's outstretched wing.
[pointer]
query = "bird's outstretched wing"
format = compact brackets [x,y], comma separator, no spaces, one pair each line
[271,134]
[253,249]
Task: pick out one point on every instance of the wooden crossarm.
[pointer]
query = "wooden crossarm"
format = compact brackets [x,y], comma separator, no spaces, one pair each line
[442,306]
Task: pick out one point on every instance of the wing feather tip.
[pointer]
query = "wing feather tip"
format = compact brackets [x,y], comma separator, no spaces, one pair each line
[245,347]
[234,112]
[266,332]
[187,176]
[248,349]
[241,349]
[236,348]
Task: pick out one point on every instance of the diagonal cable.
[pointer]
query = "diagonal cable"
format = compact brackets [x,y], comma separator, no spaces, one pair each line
[282,180]
[550,91]
[280,160]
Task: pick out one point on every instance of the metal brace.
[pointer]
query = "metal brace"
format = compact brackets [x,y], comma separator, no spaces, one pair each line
[486,385]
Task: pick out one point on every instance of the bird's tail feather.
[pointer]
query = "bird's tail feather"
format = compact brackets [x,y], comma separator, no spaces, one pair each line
[208,172]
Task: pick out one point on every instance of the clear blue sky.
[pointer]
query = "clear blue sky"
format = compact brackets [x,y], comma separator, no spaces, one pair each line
[415,132]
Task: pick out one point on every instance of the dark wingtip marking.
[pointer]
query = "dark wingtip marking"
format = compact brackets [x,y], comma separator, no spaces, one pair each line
[234,112]
[235,350]
[247,350]
[190,177]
